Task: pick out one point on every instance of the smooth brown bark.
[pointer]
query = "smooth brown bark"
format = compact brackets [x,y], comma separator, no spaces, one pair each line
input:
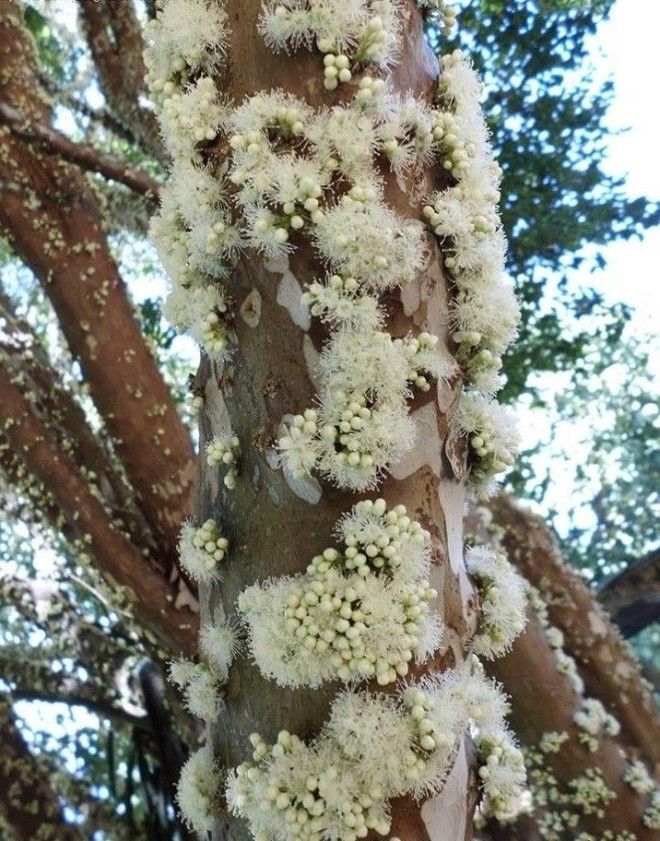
[543,701]
[51,219]
[606,664]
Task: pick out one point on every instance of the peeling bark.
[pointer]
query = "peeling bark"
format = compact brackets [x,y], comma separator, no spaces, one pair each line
[271,529]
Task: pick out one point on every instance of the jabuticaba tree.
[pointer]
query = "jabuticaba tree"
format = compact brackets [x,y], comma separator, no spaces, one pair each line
[331,233]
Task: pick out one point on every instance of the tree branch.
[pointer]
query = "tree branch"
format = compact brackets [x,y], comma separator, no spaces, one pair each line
[632,597]
[115,556]
[115,41]
[609,670]
[81,154]
[28,803]
[54,224]
[544,702]
[25,359]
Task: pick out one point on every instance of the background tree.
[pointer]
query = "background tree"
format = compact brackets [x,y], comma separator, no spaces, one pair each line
[106,425]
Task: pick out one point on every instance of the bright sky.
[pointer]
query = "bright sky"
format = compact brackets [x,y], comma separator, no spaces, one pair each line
[625,49]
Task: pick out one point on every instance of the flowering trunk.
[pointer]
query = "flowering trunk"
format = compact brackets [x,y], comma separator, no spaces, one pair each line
[309,150]
[275,532]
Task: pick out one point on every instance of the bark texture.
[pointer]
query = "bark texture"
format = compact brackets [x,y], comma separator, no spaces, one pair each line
[545,702]
[606,664]
[272,532]
[50,217]
[113,552]
[632,598]
[114,37]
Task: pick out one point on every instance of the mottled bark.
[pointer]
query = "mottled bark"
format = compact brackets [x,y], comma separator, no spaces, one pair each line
[607,666]
[114,37]
[632,598]
[272,532]
[27,802]
[50,216]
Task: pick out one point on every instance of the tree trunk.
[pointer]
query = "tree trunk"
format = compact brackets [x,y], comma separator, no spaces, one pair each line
[273,532]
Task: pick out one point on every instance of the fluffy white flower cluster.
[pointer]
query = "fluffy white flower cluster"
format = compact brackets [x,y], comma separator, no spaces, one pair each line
[651,816]
[201,550]
[491,432]
[362,424]
[219,644]
[503,601]
[200,687]
[373,748]
[186,36]
[502,770]
[594,721]
[590,793]
[361,237]
[201,683]
[358,613]
[350,33]
[338,301]
[199,791]
[502,774]
[552,740]
[224,451]
[191,117]
[638,778]
[566,664]
[465,219]
[194,234]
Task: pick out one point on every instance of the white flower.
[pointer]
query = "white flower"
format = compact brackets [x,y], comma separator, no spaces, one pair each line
[503,601]
[200,687]
[201,550]
[354,614]
[361,237]
[191,117]
[638,777]
[185,36]
[492,434]
[198,791]
[219,645]
[594,720]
